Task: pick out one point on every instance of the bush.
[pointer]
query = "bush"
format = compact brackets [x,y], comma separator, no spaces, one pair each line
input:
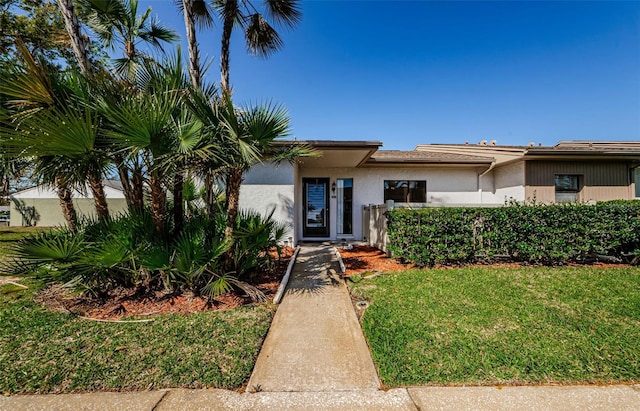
[546,234]
[125,251]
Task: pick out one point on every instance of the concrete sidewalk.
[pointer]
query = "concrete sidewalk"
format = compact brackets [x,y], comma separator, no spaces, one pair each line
[315,342]
[569,398]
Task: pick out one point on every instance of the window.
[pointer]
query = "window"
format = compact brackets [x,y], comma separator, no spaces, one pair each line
[637,180]
[344,194]
[567,188]
[405,191]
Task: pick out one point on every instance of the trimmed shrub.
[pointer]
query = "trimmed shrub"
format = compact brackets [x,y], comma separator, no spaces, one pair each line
[543,234]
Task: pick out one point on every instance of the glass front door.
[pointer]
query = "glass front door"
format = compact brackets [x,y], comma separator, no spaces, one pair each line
[344,206]
[316,207]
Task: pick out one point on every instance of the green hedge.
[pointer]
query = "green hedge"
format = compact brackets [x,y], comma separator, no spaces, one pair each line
[544,234]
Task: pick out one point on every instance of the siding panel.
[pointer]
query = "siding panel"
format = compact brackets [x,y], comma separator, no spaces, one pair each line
[601,180]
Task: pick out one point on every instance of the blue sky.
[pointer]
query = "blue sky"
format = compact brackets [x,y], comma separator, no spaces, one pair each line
[415,72]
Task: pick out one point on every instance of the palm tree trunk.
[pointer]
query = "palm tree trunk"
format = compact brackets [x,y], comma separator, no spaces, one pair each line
[194,53]
[99,197]
[123,172]
[230,11]
[137,183]
[158,203]
[178,203]
[66,202]
[77,41]
[234,181]
[210,199]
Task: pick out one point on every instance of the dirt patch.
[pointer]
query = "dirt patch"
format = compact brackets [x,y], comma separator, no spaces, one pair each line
[123,303]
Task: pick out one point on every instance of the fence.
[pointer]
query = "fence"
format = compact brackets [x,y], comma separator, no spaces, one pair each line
[374,225]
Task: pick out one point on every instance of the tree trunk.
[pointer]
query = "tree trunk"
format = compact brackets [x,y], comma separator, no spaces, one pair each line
[210,200]
[192,42]
[77,41]
[178,203]
[123,172]
[158,204]
[99,197]
[234,181]
[137,183]
[230,11]
[66,202]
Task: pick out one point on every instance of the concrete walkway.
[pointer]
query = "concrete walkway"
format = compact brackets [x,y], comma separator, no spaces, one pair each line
[315,342]
[578,398]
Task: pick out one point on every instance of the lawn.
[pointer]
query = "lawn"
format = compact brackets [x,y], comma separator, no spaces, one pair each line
[504,325]
[11,234]
[44,352]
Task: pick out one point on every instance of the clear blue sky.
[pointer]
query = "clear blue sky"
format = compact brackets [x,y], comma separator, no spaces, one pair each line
[417,72]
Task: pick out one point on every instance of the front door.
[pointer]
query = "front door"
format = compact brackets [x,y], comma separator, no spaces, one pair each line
[316,207]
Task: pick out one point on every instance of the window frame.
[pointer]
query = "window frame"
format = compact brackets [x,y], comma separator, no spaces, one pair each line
[562,190]
[417,185]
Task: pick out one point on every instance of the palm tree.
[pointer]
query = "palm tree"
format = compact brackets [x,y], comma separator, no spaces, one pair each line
[262,39]
[118,25]
[156,126]
[78,42]
[52,122]
[252,137]
[196,13]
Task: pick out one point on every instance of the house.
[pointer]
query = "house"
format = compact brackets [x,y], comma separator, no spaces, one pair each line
[576,171]
[325,198]
[40,206]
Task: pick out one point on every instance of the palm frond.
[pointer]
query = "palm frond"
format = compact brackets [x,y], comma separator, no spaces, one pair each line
[291,153]
[262,39]
[286,12]
[156,34]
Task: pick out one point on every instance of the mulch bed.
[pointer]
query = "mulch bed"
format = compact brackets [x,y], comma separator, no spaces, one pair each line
[124,303]
[363,259]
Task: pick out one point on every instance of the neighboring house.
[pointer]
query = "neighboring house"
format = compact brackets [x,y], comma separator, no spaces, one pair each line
[40,206]
[324,198]
[581,171]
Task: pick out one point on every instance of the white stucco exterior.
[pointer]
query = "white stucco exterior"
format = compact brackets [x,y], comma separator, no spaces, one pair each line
[445,185]
[503,183]
[268,187]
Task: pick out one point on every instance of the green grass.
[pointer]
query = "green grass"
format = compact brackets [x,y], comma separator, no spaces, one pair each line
[504,326]
[11,234]
[46,352]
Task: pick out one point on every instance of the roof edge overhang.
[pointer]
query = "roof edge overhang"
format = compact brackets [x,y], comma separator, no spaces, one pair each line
[581,155]
[338,153]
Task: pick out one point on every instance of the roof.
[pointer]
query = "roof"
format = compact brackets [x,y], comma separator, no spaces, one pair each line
[589,149]
[399,156]
[338,144]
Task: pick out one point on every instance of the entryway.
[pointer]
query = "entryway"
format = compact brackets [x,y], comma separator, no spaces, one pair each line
[315,193]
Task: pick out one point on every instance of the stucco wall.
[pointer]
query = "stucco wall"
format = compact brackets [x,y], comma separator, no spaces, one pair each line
[509,182]
[444,186]
[267,187]
[49,213]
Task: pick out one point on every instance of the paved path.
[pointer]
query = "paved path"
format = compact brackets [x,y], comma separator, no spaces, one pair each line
[315,342]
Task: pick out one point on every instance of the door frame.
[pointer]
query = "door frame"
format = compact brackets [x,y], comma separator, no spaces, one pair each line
[322,231]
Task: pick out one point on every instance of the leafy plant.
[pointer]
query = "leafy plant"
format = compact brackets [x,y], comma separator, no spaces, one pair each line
[541,234]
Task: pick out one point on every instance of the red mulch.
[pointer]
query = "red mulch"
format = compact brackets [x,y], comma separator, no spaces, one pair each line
[364,258]
[128,302]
